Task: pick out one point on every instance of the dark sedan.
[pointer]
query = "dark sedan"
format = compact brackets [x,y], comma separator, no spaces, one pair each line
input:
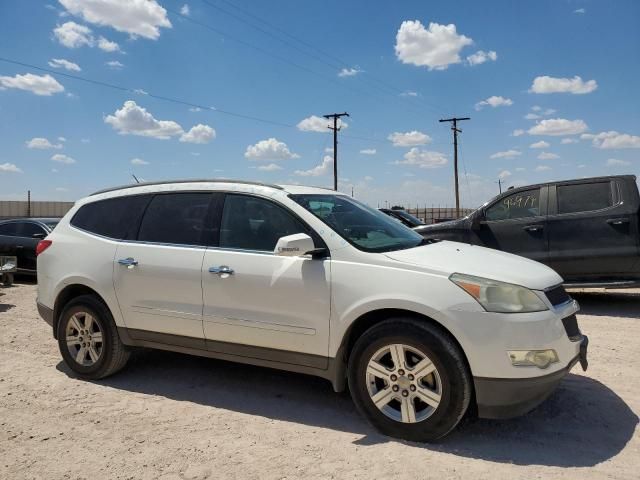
[20,236]
[403,217]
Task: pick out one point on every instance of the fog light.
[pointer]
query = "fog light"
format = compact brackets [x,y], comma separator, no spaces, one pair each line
[533,358]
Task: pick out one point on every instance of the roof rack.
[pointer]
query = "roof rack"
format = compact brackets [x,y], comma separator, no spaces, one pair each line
[202,180]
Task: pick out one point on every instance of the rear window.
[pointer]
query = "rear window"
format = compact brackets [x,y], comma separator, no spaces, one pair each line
[8,229]
[116,218]
[584,197]
[177,218]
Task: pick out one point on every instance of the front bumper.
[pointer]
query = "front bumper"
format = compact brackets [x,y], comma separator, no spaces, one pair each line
[501,398]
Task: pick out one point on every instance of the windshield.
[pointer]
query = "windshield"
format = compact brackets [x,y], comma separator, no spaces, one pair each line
[408,217]
[363,227]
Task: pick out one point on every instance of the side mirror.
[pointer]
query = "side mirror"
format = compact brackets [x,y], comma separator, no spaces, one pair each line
[38,235]
[477,219]
[294,245]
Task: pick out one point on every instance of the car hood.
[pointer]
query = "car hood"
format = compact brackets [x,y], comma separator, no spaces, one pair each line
[453,257]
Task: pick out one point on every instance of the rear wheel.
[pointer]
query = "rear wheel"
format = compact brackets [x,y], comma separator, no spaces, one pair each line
[409,379]
[88,339]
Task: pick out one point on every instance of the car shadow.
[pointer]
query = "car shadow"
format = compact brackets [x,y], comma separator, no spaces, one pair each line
[584,423]
[604,303]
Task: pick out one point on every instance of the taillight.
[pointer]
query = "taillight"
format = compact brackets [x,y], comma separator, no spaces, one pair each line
[42,246]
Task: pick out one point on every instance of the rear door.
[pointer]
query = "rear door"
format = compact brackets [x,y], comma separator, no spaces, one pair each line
[26,243]
[157,277]
[265,302]
[8,239]
[592,231]
[516,223]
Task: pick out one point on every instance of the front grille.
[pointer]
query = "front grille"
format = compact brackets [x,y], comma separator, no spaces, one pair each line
[557,295]
[571,327]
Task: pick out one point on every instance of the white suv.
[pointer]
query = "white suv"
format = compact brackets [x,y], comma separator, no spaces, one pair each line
[308,280]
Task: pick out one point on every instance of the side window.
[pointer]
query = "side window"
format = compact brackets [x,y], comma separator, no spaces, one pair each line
[517,205]
[252,223]
[9,229]
[28,229]
[584,197]
[116,218]
[177,218]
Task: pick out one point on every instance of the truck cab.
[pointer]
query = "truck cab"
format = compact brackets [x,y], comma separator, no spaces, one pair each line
[587,229]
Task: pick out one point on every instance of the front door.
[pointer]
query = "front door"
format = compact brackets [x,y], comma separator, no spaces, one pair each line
[158,276]
[276,307]
[516,224]
[592,232]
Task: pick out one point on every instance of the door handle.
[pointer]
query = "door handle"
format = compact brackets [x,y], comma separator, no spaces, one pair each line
[221,270]
[533,228]
[128,262]
[19,246]
[617,221]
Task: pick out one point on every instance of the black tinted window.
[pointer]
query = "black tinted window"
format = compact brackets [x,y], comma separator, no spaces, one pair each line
[517,205]
[177,218]
[116,218]
[9,229]
[584,197]
[251,223]
[28,229]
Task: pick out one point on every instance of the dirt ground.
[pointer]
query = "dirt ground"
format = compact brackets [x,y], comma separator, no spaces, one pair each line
[174,416]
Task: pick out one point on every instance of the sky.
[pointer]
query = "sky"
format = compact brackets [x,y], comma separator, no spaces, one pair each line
[95,91]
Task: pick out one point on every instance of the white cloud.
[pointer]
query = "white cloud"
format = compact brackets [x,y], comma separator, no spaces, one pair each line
[423,159]
[349,72]
[142,18]
[536,108]
[548,156]
[580,11]
[39,84]
[314,124]
[613,162]
[494,101]
[521,169]
[368,151]
[61,189]
[9,168]
[540,144]
[107,45]
[549,111]
[506,154]
[319,170]
[409,93]
[134,120]
[481,56]
[558,126]
[575,85]
[62,63]
[62,139]
[73,35]
[42,144]
[185,10]
[138,161]
[60,158]
[542,168]
[566,141]
[532,116]
[612,139]
[270,149]
[199,134]
[114,64]
[504,174]
[195,109]
[517,133]
[272,167]
[435,47]
[409,139]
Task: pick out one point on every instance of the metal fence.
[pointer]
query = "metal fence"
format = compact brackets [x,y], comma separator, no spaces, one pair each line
[438,214]
[13,209]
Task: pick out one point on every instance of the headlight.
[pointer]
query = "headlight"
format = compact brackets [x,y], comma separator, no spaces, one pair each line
[497,296]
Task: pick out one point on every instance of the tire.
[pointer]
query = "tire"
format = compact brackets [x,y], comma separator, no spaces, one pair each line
[105,354]
[438,399]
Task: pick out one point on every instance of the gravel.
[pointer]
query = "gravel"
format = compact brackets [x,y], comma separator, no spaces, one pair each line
[174,416]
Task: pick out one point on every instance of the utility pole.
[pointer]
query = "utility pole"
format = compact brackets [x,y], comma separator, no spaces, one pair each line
[500,184]
[455,129]
[335,129]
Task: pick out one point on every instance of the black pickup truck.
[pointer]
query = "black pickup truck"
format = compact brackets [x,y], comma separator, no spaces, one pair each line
[587,230]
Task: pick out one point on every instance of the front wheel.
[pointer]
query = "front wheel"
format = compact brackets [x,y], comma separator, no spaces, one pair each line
[409,379]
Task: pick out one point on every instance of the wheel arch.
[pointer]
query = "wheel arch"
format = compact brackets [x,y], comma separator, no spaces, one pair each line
[67,294]
[371,318]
